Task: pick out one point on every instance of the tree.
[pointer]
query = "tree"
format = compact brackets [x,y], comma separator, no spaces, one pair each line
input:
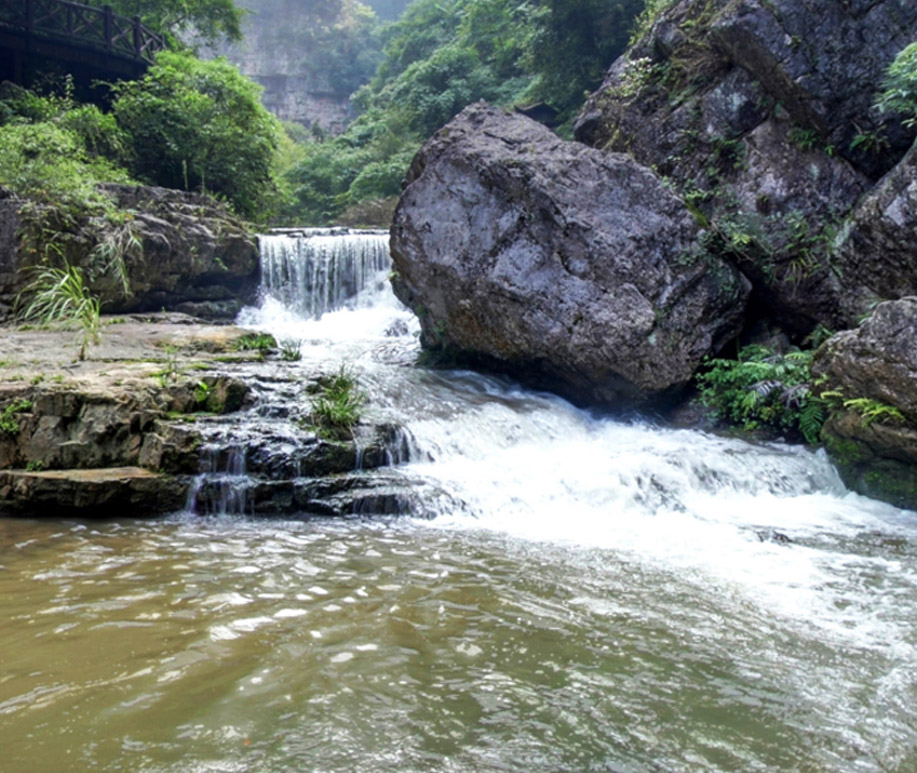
[209,20]
[200,126]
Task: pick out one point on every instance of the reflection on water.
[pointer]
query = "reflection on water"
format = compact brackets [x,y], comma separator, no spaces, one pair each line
[209,644]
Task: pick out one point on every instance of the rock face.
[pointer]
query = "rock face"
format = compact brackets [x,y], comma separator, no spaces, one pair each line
[573,268]
[877,253]
[192,254]
[281,51]
[877,362]
[760,114]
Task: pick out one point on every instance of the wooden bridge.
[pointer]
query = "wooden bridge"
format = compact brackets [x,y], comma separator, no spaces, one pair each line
[91,41]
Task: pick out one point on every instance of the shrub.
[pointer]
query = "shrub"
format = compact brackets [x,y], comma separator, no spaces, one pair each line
[46,162]
[201,126]
[9,424]
[337,407]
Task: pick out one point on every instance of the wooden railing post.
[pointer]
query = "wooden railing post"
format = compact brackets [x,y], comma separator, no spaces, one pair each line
[138,38]
[108,26]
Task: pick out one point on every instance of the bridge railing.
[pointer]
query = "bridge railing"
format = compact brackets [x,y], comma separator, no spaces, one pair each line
[82,25]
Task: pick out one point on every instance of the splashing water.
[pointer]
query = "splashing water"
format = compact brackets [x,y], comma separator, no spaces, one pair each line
[590,595]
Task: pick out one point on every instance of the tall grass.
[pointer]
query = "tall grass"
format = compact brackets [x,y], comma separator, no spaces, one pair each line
[61,295]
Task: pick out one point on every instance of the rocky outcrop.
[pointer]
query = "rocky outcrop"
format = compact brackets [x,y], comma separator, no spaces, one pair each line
[167,411]
[574,268]
[760,115]
[877,253]
[287,49]
[872,432]
[181,251]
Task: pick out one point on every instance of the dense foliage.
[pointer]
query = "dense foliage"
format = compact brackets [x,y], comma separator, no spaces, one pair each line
[442,55]
[765,389]
[187,124]
[197,125]
[899,89]
[200,126]
[209,20]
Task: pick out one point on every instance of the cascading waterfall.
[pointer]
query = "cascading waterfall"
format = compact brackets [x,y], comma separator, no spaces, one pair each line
[315,271]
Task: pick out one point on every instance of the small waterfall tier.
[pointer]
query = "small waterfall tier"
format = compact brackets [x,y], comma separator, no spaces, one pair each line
[317,270]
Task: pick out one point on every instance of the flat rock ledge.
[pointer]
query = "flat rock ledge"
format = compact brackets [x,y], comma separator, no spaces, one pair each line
[113,491]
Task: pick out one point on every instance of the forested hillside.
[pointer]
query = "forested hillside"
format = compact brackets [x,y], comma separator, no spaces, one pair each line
[438,58]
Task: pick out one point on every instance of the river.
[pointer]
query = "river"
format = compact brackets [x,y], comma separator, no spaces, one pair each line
[574,593]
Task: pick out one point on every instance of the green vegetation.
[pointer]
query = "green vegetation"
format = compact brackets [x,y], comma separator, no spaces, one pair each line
[208,20]
[61,295]
[899,88]
[205,395]
[290,350]
[439,57]
[337,406]
[255,342]
[9,423]
[195,125]
[200,125]
[764,389]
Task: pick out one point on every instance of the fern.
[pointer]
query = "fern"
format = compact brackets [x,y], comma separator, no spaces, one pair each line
[872,410]
[765,389]
[812,417]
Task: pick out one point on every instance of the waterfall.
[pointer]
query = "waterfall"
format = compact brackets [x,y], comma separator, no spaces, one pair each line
[314,271]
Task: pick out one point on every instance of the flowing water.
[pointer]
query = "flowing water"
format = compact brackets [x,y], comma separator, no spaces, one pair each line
[582,595]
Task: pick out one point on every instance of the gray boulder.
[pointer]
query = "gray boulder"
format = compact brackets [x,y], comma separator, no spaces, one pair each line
[577,270]
[873,446]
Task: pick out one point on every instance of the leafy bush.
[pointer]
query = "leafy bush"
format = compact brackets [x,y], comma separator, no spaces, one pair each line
[899,88]
[200,126]
[765,389]
[208,20]
[47,162]
[9,424]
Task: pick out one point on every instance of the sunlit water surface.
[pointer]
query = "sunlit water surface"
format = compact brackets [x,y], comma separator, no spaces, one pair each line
[591,595]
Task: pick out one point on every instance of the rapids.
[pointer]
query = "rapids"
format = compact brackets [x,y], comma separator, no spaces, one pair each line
[580,594]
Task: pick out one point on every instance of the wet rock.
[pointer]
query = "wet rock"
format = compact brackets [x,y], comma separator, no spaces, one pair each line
[873,441]
[94,493]
[760,114]
[877,252]
[569,267]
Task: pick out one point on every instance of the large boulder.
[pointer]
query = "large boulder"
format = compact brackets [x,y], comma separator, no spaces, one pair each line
[182,251]
[872,432]
[760,113]
[575,269]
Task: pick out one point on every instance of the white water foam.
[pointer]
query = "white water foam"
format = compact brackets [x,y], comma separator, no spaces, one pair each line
[772,523]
